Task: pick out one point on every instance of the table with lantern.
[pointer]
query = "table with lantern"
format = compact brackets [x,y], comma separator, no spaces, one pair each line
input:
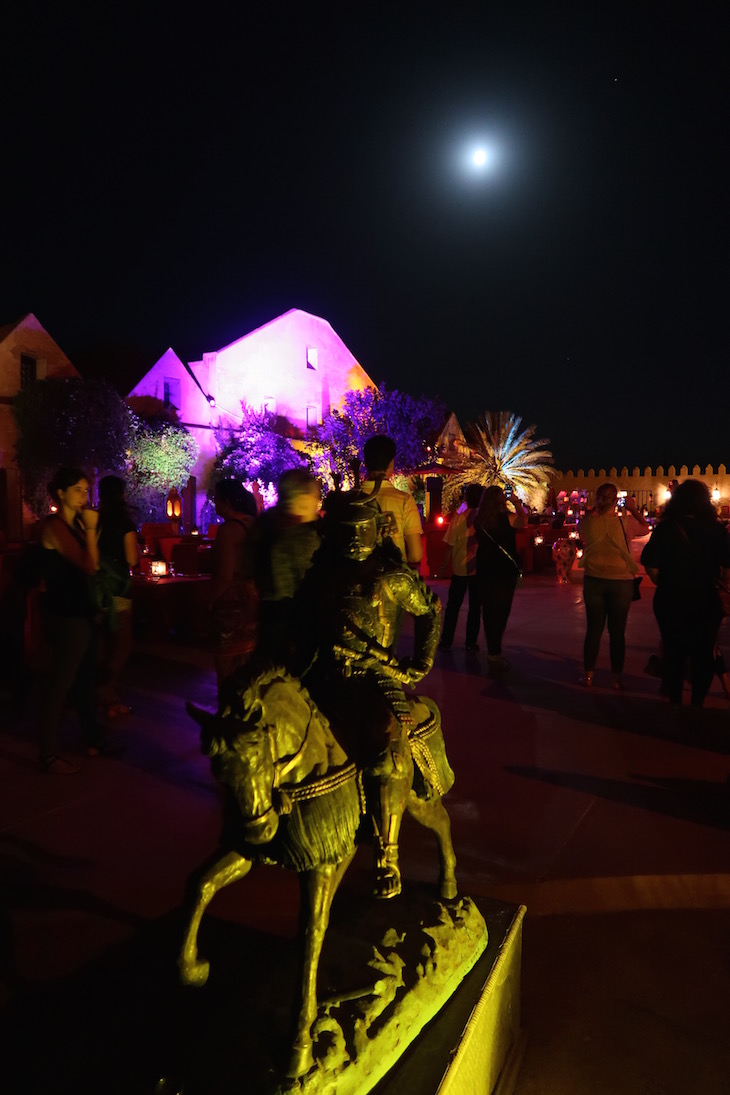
[169,606]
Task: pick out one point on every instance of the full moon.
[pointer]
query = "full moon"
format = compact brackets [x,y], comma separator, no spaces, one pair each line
[479,157]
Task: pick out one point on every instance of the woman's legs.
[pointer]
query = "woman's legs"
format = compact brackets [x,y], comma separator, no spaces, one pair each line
[496,598]
[618,597]
[118,648]
[701,642]
[594,599]
[473,616]
[457,589]
[69,639]
[673,630]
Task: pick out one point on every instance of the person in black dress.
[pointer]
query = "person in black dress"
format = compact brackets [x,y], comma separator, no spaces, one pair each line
[497,567]
[687,556]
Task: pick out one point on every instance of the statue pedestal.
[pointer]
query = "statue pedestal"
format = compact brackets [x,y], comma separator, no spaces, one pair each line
[463,1039]
[444,1015]
[475,1045]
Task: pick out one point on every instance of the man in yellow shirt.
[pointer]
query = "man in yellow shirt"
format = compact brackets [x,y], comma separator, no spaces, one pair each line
[405,521]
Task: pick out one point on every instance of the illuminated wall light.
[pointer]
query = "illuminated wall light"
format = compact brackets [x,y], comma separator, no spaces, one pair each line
[716,495]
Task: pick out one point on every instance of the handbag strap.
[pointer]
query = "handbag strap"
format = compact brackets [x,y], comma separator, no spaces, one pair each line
[628,549]
[504,551]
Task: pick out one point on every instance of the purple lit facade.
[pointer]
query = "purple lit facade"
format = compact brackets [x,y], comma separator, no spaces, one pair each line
[296,366]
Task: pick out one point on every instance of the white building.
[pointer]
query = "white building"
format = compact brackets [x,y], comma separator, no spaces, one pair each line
[296,366]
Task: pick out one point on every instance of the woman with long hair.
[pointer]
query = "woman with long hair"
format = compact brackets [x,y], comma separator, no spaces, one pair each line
[687,556]
[119,554]
[69,559]
[498,568]
[608,586]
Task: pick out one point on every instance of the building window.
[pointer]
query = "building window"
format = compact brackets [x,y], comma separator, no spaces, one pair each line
[172,392]
[312,358]
[312,418]
[28,371]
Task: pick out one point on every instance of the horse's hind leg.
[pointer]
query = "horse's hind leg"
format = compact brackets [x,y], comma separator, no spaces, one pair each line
[318,887]
[434,816]
[224,871]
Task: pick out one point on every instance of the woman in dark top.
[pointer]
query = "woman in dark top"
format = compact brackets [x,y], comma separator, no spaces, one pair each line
[69,559]
[687,556]
[119,554]
[497,567]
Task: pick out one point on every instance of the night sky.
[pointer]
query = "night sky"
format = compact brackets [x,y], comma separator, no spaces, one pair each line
[179,179]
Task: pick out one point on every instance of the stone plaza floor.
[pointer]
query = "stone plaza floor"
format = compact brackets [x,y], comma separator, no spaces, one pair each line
[603,815]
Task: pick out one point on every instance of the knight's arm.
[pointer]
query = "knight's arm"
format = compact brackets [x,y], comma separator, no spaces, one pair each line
[412,594]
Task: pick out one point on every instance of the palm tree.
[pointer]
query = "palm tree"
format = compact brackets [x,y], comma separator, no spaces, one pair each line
[502,453]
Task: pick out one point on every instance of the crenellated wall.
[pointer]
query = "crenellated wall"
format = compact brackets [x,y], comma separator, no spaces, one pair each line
[650,487]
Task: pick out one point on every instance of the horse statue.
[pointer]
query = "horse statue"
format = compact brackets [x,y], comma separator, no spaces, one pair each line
[295,799]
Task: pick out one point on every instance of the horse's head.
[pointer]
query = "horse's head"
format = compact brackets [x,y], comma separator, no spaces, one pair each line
[239,743]
[261,739]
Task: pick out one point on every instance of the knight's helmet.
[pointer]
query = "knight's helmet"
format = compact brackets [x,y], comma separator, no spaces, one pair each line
[354,512]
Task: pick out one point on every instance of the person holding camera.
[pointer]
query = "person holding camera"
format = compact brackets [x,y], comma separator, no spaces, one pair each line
[608,586]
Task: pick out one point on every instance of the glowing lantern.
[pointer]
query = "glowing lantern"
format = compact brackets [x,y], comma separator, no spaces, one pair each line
[174,506]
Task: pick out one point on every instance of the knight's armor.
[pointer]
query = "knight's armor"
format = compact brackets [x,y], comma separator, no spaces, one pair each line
[356,593]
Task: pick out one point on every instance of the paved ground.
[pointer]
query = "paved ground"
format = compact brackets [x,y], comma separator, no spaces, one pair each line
[608,820]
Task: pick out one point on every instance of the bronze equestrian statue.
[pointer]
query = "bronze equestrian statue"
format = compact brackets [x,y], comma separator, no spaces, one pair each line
[304,784]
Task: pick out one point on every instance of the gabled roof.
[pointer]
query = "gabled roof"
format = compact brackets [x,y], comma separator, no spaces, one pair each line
[277,319]
[8,328]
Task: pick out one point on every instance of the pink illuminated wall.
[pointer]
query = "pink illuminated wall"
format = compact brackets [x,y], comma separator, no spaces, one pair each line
[295,366]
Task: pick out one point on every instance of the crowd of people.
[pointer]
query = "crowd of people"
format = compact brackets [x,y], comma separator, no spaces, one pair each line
[261,561]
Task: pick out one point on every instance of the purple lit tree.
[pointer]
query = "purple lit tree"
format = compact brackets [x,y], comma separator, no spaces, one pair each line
[414,423]
[255,450]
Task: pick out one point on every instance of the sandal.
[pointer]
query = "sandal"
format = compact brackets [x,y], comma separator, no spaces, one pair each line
[57,766]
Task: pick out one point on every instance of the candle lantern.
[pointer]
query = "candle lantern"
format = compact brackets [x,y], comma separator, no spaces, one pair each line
[174,507]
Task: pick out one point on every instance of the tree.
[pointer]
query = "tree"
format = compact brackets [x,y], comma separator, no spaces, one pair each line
[255,450]
[503,454]
[161,455]
[68,422]
[413,423]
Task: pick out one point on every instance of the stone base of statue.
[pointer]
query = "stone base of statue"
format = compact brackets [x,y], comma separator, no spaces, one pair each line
[411,973]
[422,963]
[416,995]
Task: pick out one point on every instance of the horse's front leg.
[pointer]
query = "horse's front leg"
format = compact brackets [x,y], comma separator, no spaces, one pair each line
[318,887]
[433,816]
[224,871]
